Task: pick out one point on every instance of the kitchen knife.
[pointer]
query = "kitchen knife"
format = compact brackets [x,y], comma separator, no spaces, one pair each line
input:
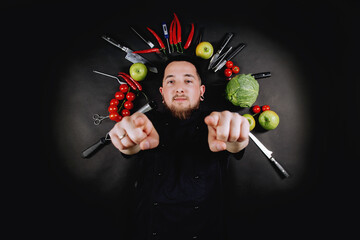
[268,154]
[232,55]
[130,56]
[90,151]
[222,46]
[149,43]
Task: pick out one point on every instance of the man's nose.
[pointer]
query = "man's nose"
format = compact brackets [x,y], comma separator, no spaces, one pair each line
[180,90]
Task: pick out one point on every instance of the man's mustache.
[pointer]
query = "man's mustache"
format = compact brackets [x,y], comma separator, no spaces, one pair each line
[180,96]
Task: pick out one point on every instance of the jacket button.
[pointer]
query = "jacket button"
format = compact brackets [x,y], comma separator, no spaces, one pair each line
[195,237]
[196,207]
[154,234]
[197,177]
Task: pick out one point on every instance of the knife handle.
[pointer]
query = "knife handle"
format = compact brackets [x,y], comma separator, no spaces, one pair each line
[94,148]
[225,42]
[261,75]
[236,51]
[279,167]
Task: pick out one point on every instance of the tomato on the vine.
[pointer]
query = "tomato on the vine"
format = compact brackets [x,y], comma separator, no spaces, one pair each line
[125,112]
[128,105]
[124,88]
[114,102]
[235,69]
[256,109]
[112,109]
[228,72]
[115,117]
[265,108]
[229,64]
[130,96]
[119,95]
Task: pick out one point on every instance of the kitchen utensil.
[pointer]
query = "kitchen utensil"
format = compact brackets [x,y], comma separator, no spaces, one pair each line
[105,140]
[215,57]
[268,154]
[232,55]
[130,56]
[149,43]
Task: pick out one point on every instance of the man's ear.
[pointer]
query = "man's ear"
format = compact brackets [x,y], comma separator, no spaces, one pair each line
[202,90]
[161,90]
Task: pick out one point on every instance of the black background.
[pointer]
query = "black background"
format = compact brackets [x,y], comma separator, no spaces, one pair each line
[41,40]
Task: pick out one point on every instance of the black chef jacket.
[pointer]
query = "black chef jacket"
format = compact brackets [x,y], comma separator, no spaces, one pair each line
[180,184]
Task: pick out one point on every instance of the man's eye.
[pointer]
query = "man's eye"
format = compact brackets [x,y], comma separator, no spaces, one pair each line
[188,81]
[170,81]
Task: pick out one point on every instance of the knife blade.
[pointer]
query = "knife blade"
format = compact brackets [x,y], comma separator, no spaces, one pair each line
[268,154]
[149,43]
[232,55]
[130,56]
[222,46]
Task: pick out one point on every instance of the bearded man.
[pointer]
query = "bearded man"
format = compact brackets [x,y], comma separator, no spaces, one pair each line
[182,156]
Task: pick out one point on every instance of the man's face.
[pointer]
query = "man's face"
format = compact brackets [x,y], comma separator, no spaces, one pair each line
[181,88]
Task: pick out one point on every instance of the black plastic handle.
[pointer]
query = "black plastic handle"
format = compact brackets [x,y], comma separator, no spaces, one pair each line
[94,148]
[261,75]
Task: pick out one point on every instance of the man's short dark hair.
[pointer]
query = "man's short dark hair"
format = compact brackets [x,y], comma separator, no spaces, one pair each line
[196,61]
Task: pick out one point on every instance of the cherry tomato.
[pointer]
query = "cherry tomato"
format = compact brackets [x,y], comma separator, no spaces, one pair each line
[128,105]
[124,88]
[115,117]
[114,102]
[265,108]
[112,109]
[229,64]
[228,72]
[130,96]
[125,112]
[235,69]
[256,109]
[119,95]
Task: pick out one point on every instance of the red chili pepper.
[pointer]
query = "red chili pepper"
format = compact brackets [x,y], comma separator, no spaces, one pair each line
[190,37]
[137,84]
[151,50]
[128,81]
[162,45]
[174,32]
[171,36]
[178,28]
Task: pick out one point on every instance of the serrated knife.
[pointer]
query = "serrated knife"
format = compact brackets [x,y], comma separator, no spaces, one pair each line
[268,154]
[130,56]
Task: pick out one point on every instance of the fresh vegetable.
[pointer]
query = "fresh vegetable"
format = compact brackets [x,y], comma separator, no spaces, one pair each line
[190,37]
[171,36]
[235,69]
[112,109]
[124,88]
[228,72]
[256,109]
[229,64]
[115,117]
[129,80]
[162,45]
[125,112]
[119,95]
[178,29]
[265,108]
[114,102]
[130,96]
[242,90]
[204,50]
[151,50]
[128,105]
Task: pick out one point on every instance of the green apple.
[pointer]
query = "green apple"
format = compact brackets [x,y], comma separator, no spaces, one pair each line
[269,120]
[204,50]
[251,120]
[138,71]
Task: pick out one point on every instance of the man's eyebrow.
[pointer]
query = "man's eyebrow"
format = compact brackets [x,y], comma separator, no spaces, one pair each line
[168,76]
[189,75]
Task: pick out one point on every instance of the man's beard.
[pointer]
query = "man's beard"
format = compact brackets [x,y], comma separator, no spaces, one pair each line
[183,113]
